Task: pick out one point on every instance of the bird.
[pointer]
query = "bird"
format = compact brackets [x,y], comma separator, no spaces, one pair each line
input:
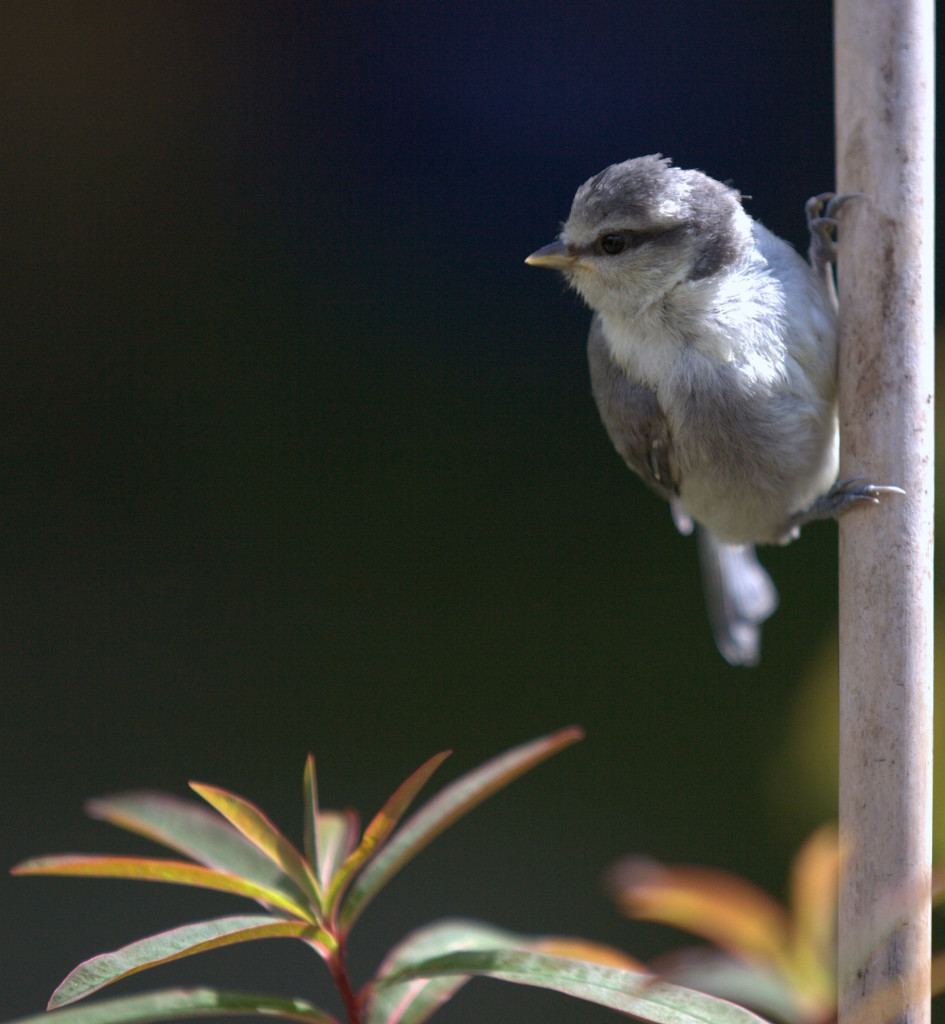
[713,363]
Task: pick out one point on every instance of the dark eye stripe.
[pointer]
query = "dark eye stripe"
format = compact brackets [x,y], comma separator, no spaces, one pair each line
[616,242]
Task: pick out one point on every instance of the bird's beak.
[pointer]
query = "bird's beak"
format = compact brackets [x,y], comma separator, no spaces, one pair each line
[554,256]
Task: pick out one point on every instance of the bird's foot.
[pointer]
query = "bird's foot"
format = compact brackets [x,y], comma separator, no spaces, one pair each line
[822,223]
[841,497]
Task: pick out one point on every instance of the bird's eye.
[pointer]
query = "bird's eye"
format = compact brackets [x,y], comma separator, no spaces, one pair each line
[612,245]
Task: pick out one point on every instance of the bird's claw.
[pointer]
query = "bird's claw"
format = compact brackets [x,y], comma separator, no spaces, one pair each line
[858,488]
[822,211]
[843,496]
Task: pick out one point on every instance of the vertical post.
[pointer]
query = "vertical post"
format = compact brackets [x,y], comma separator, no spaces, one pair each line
[884,67]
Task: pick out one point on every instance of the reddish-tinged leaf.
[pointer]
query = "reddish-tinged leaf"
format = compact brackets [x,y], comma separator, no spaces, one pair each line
[815,878]
[178,872]
[628,991]
[759,986]
[384,822]
[310,794]
[258,829]
[197,831]
[337,833]
[181,1002]
[413,1001]
[442,810]
[719,906]
[186,940]
[330,836]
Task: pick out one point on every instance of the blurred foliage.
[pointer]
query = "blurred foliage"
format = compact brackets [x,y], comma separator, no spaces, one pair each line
[801,777]
[781,960]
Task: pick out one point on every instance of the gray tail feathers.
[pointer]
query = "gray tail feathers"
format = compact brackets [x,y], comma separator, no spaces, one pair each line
[739,596]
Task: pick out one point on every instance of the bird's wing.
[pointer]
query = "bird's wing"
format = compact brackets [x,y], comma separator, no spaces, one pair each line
[739,593]
[634,420]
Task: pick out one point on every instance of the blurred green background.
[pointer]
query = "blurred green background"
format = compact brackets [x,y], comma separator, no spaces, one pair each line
[298,455]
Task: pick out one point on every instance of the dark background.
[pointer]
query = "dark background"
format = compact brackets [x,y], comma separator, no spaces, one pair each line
[298,455]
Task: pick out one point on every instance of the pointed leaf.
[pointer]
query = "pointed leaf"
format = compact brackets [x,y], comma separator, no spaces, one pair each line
[179,872]
[310,794]
[384,822]
[196,831]
[628,991]
[720,907]
[442,810]
[180,1002]
[259,830]
[330,836]
[413,1001]
[173,944]
[337,833]
[815,880]
[758,986]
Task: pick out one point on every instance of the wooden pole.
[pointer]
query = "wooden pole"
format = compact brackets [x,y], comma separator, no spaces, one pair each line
[884,60]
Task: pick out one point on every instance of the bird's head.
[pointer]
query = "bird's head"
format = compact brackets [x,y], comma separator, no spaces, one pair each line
[640,228]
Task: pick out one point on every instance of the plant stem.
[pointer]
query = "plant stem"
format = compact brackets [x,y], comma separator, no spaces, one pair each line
[339,973]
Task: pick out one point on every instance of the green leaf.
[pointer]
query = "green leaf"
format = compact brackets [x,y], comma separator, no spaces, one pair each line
[330,836]
[337,835]
[413,1001]
[748,984]
[384,822]
[196,831]
[259,830]
[442,810]
[180,1002]
[638,994]
[178,872]
[102,970]
[310,794]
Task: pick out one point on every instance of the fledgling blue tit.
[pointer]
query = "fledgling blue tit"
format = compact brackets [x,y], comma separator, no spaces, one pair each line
[713,362]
